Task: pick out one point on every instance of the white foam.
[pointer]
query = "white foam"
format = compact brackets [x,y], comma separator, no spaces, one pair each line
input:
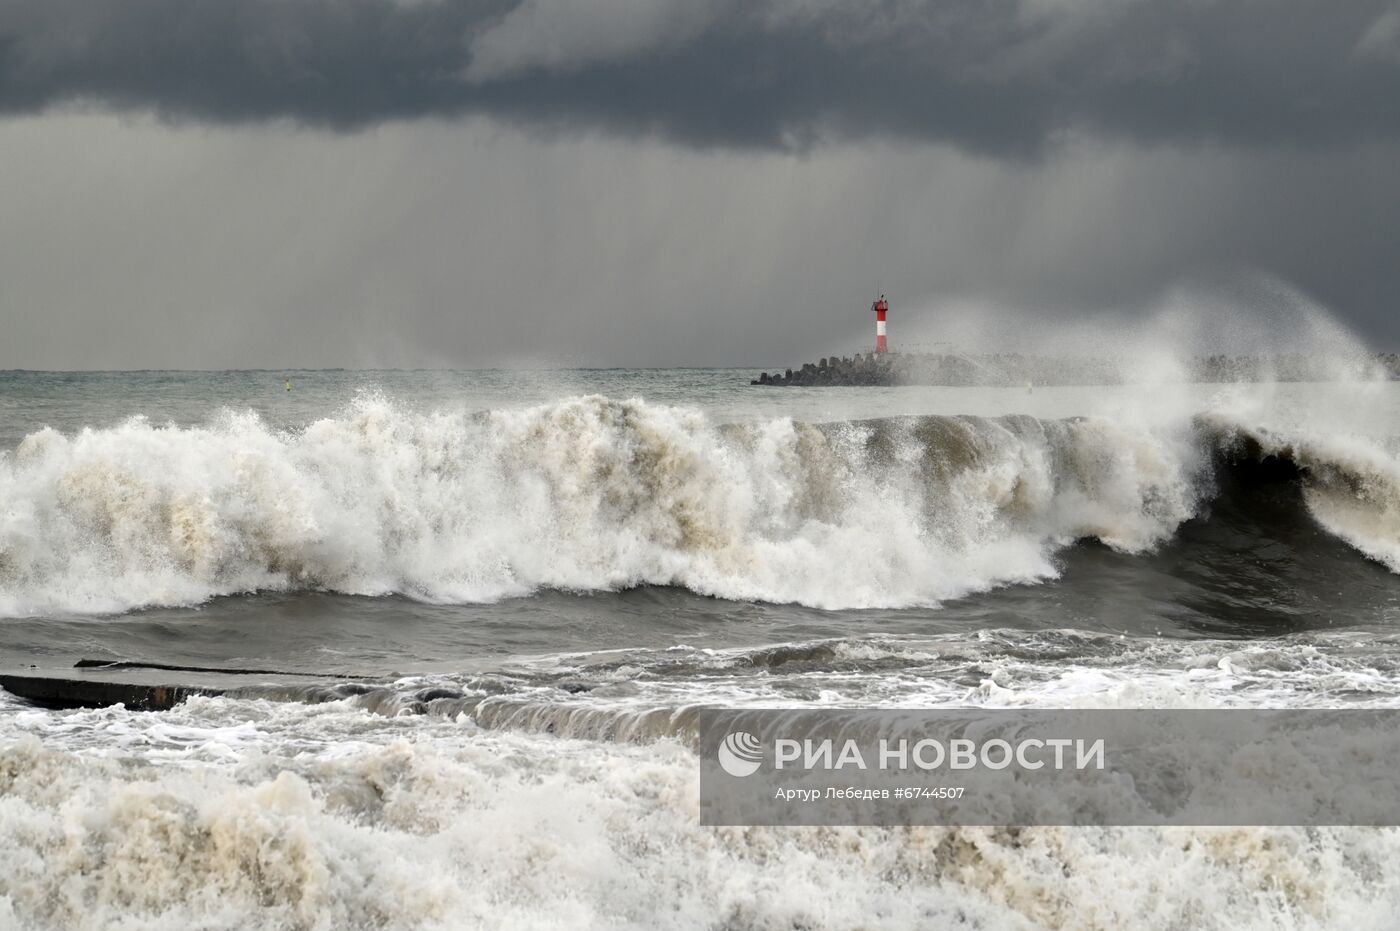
[584,493]
[344,819]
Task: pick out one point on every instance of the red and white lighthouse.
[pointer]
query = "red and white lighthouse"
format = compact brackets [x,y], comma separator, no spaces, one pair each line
[881,307]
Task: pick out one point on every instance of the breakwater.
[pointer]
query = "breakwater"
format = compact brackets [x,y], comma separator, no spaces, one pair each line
[866,369]
[1017,370]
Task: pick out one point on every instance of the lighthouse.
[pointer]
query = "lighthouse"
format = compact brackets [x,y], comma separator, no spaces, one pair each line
[881,307]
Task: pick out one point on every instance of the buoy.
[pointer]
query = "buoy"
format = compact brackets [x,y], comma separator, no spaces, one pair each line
[289,384]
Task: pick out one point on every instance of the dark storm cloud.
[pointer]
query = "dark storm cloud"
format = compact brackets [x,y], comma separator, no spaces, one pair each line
[992,75]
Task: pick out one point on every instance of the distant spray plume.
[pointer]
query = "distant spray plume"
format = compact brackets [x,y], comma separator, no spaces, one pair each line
[1255,328]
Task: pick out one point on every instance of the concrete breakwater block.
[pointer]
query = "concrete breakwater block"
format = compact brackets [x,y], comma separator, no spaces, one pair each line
[52,691]
[144,686]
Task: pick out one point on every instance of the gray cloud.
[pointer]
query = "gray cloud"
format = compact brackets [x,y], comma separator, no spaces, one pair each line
[1002,76]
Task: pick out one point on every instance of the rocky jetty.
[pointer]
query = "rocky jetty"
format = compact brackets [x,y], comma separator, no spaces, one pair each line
[1018,370]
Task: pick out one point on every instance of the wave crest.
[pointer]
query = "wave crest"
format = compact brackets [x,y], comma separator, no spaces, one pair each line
[585,493]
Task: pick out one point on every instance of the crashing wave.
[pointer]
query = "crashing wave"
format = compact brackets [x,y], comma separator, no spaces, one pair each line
[590,493]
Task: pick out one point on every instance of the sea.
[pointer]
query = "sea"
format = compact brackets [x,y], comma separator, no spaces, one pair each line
[499,588]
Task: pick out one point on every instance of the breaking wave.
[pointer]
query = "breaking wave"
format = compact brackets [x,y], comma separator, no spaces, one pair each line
[590,493]
[1351,484]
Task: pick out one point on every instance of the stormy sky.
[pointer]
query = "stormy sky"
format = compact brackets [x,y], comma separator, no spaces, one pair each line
[231,183]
